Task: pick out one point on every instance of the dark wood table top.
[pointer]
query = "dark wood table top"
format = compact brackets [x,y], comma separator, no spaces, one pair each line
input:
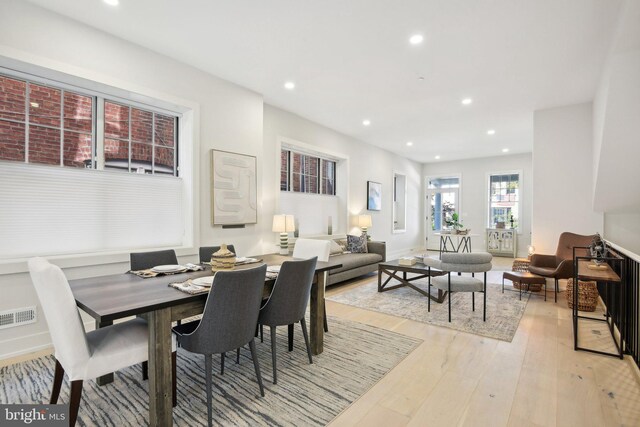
[111,297]
[417,267]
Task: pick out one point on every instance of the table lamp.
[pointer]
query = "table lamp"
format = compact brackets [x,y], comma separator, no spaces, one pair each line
[283,224]
[364,222]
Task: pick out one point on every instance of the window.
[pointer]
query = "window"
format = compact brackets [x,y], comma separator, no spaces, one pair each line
[66,209]
[46,125]
[303,173]
[51,125]
[138,140]
[504,199]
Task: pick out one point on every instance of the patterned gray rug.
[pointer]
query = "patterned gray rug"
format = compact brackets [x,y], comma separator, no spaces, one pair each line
[355,357]
[504,311]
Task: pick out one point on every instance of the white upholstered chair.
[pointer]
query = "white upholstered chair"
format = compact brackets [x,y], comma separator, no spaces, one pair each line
[309,248]
[84,356]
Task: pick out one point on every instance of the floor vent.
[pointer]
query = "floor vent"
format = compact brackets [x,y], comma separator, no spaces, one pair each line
[17,317]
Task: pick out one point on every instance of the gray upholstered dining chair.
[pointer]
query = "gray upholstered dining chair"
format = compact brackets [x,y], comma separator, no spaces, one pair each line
[228,322]
[288,302]
[85,355]
[207,251]
[475,262]
[145,260]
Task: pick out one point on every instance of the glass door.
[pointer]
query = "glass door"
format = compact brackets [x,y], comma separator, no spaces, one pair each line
[442,202]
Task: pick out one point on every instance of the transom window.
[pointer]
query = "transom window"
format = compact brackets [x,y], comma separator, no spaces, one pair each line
[45,124]
[303,173]
[504,198]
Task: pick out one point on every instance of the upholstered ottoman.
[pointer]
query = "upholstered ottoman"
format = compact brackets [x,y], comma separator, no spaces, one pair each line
[524,278]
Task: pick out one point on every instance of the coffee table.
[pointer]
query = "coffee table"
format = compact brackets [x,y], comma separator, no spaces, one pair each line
[419,270]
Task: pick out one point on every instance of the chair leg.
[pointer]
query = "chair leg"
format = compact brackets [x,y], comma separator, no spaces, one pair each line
[449,292]
[303,325]
[273,354]
[484,305]
[290,335]
[473,301]
[74,402]
[326,324]
[57,382]
[174,378]
[145,370]
[221,363]
[256,365]
[238,355]
[208,364]
[261,333]
[503,284]
[555,293]
[545,289]
[429,291]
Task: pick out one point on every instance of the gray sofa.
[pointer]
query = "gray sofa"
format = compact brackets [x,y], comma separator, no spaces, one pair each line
[354,265]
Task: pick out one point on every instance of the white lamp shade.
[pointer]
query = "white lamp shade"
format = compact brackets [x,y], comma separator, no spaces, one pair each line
[283,224]
[364,221]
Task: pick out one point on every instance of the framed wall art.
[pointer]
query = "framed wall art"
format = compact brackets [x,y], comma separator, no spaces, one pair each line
[374,196]
[234,197]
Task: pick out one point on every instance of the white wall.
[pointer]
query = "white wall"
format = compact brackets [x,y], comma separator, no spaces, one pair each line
[366,163]
[230,119]
[563,175]
[475,192]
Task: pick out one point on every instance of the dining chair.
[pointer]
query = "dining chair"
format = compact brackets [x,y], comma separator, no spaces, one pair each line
[475,262]
[145,260]
[207,251]
[288,302]
[228,322]
[307,248]
[85,355]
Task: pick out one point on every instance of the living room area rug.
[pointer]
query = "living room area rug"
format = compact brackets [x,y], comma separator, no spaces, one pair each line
[355,357]
[504,311]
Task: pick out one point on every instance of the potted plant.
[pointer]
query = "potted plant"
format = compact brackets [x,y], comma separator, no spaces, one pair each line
[455,223]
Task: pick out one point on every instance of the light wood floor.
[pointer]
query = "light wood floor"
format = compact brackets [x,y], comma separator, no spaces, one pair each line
[458,379]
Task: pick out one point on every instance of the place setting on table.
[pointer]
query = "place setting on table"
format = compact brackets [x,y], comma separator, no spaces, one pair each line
[221,260]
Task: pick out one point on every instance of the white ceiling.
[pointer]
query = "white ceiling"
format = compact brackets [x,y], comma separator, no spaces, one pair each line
[351,60]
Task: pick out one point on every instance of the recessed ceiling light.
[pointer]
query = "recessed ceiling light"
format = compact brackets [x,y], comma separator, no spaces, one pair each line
[491,132]
[437,157]
[409,143]
[467,101]
[505,150]
[290,85]
[416,39]
[421,78]
[112,2]
[366,122]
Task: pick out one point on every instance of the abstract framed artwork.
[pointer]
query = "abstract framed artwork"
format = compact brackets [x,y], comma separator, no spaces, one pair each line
[374,196]
[234,197]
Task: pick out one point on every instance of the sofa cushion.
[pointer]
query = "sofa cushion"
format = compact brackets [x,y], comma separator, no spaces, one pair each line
[350,261]
[357,244]
[335,248]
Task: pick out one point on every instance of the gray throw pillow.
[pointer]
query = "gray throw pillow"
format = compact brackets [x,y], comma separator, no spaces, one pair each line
[357,244]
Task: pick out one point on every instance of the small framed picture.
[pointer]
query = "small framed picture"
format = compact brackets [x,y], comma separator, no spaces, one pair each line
[374,196]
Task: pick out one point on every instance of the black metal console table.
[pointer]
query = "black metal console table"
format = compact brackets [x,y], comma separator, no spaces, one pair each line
[581,271]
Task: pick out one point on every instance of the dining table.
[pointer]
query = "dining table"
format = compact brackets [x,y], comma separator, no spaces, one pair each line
[112,297]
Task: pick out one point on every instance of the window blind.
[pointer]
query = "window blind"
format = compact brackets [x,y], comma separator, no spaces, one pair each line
[48,210]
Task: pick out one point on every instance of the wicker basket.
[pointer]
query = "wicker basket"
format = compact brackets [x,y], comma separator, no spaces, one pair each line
[587,295]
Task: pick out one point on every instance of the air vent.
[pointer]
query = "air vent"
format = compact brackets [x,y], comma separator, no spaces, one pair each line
[17,317]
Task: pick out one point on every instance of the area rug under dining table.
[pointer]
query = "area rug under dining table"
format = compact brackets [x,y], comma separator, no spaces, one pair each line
[355,357]
[504,311]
